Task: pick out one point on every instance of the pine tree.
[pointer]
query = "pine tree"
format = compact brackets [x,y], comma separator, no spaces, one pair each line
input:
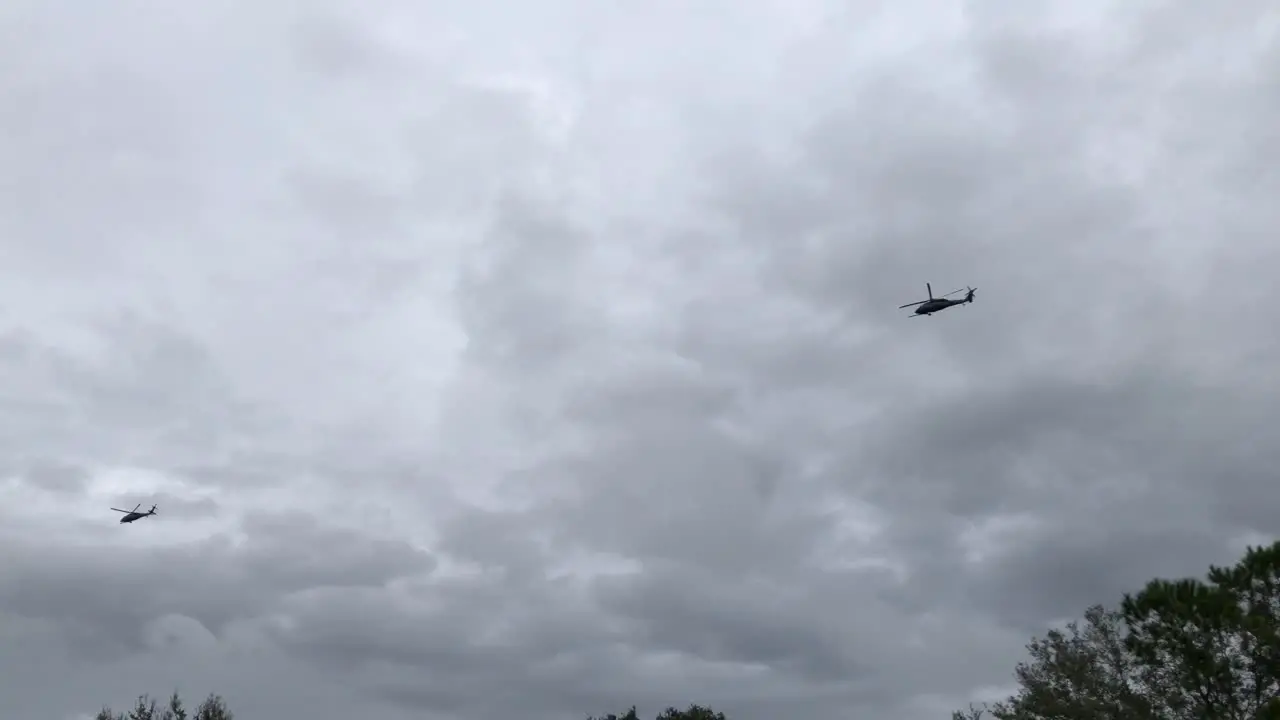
[146,708]
[693,712]
[213,708]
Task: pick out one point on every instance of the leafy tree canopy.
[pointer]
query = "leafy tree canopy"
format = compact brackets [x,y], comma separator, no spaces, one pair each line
[1177,650]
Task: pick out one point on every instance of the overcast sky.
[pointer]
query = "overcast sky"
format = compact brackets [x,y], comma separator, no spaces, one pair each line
[494,359]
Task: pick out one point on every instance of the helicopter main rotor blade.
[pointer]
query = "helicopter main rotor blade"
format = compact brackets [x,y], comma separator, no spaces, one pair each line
[123,511]
[912,304]
[953,292]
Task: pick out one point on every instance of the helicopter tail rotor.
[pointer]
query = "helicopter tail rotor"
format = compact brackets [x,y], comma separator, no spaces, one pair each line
[969,296]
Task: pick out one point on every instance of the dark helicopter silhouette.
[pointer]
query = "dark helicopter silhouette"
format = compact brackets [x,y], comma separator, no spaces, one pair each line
[933,304]
[132,515]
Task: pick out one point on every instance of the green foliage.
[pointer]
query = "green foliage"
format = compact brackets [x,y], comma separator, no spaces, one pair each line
[1176,650]
[146,708]
[693,712]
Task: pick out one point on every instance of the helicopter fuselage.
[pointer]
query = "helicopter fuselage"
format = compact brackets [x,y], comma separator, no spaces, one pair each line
[132,516]
[933,306]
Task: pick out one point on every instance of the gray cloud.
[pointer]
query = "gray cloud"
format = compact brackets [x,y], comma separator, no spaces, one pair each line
[546,360]
[108,599]
[54,475]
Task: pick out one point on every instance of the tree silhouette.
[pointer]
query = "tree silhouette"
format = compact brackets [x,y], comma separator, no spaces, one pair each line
[147,708]
[1177,650]
[693,712]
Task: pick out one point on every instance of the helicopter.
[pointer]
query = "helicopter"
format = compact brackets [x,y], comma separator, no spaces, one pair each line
[131,515]
[933,304]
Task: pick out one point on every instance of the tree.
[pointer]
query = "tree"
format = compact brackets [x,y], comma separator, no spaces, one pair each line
[1210,649]
[213,708]
[693,712]
[176,710]
[1176,650]
[146,708]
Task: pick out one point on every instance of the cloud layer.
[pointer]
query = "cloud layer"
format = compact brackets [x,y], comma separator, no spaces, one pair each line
[489,358]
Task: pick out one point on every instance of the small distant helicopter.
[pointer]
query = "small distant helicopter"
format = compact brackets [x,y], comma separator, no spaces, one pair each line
[933,304]
[132,515]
